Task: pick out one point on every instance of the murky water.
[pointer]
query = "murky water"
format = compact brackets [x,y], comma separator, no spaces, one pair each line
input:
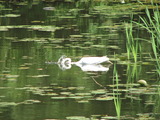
[36,34]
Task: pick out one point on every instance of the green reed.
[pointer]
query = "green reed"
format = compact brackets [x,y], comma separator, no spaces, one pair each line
[152,24]
[132,72]
[132,45]
[117,100]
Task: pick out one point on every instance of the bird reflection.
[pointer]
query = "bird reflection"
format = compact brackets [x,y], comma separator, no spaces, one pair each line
[85,63]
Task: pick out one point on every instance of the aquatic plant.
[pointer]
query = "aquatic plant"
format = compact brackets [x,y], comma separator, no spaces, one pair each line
[132,72]
[116,95]
[132,45]
[152,24]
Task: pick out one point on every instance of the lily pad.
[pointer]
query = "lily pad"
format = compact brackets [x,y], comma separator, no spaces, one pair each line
[67,17]
[65,93]
[105,98]
[98,46]
[76,97]
[12,76]
[49,8]
[3,28]
[76,36]
[11,15]
[77,118]
[23,68]
[59,97]
[38,76]
[109,117]
[83,101]
[113,47]
[83,94]
[99,91]
[4,104]
[31,101]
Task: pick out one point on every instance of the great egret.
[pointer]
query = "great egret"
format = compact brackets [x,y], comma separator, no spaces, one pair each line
[85,60]
[85,63]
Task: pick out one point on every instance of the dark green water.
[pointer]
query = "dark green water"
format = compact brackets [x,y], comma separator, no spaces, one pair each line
[33,88]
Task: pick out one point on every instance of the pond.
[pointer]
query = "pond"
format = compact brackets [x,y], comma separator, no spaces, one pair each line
[33,86]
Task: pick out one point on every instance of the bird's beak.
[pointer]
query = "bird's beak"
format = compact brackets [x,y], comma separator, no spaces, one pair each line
[110,62]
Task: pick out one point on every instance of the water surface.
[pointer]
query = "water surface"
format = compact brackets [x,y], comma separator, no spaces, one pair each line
[35,35]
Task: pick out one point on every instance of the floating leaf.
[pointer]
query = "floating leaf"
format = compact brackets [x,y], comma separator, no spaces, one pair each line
[77,118]
[109,117]
[11,15]
[23,68]
[76,97]
[65,93]
[80,88]
[105,98]
[49,8]
[76,36]
[113,47]
[4,104]
[12,76]
[86,15]
[59,97]
[31,101]
[98,46]
[37,76]
[83,101]
[82,94]
[100,91]
[67,17]
[51,94]
[3,28]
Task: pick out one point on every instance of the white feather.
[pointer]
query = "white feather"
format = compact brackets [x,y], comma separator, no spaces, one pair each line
[85,63]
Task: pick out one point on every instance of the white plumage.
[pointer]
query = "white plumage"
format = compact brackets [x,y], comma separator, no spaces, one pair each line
[92,60]
[85,60]
[85,63]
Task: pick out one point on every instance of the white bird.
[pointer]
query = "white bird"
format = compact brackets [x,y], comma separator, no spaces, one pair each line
[86,63]
[85,60]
